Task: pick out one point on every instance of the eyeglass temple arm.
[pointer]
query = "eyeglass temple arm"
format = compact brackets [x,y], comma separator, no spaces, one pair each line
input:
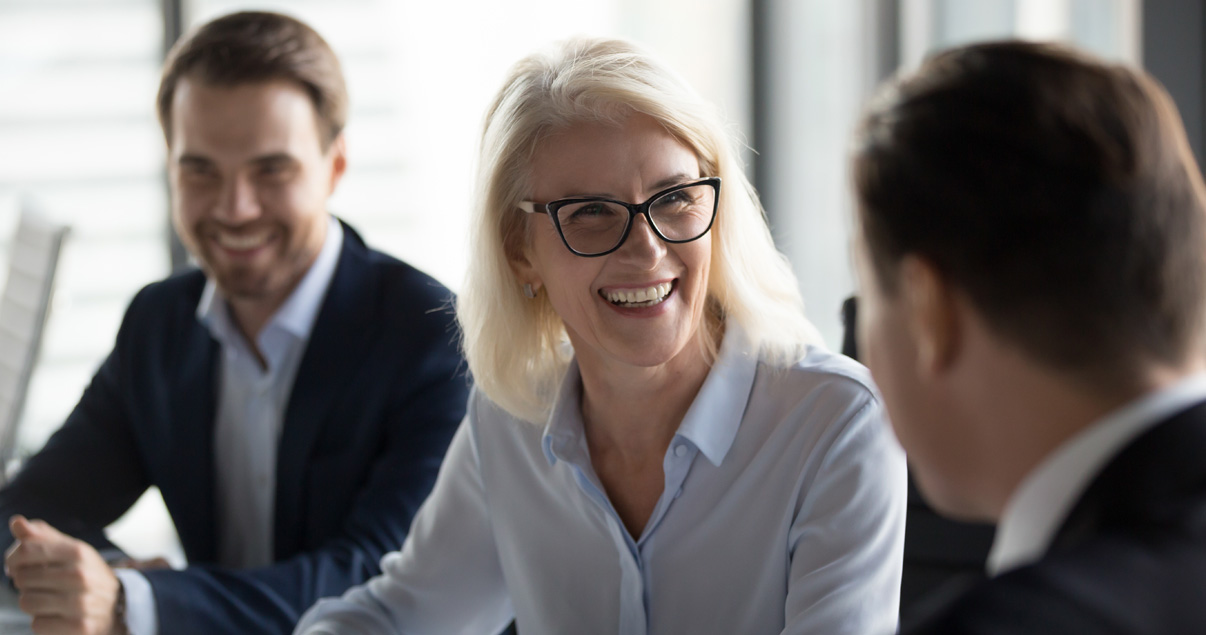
[530,207]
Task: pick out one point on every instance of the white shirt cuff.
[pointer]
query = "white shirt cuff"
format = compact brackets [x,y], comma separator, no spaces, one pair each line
[142,617]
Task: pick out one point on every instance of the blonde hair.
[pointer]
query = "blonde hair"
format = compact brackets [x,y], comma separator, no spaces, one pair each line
[517,347]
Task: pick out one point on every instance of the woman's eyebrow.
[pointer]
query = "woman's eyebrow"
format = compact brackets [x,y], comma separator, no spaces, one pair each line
[671,181]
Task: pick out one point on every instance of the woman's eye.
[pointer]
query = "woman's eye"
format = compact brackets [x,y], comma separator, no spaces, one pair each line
[591,209]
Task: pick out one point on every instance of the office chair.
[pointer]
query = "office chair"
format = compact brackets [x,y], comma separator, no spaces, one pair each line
[938,553]
[24,307]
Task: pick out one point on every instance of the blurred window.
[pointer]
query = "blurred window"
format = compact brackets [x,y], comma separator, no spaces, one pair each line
[80,143]
[820,63]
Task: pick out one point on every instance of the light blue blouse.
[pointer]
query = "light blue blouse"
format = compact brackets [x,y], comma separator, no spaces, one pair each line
[783,511]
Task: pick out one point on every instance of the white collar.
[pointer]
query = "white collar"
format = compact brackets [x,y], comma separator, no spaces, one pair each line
[1046,495]
[710,423]
[299,311]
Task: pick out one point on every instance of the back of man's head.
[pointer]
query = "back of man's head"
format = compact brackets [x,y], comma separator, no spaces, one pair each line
[251,47]
[1057,192]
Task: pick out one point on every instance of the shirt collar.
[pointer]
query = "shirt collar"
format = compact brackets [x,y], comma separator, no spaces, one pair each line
[563,433]
[1046,495]
[712,421]
[710,424]
[299,311]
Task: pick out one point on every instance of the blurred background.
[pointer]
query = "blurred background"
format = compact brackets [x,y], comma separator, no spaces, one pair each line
[79,140]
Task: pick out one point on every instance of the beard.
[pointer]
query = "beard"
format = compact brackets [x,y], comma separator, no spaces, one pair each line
[270,277]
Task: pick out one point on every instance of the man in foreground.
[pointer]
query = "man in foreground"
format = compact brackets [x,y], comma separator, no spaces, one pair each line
[292,400]
[1032,249]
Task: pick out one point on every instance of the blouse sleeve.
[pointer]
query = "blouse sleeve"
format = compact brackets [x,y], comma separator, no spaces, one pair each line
[445,579]
[847,539]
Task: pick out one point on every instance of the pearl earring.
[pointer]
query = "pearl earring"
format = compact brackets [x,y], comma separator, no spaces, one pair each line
[528,292]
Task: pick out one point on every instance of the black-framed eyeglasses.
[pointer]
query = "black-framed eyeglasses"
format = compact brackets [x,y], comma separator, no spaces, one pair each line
[595,226]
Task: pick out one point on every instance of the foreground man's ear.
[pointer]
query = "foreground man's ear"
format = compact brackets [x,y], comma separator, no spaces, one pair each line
[338,153]
[931,315]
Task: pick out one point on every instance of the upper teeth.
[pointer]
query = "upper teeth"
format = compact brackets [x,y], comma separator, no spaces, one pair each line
[633,296]
[249,241]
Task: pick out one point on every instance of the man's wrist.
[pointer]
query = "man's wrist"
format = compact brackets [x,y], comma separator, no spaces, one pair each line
[139,603]
[119,612]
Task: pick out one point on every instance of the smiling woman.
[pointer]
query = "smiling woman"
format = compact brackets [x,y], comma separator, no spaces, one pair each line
[652,415]
[642,341]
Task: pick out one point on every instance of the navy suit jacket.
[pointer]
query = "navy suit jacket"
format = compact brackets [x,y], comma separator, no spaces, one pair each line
[1130,558]
[379,392]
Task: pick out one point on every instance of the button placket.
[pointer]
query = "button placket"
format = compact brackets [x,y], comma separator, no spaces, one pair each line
[632,583]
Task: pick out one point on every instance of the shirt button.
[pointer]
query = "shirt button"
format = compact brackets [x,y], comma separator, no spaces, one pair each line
[680,451]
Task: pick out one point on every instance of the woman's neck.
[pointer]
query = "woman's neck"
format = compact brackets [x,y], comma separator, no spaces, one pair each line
[635,411]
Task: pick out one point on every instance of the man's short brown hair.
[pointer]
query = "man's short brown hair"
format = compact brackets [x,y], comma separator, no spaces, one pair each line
[1056,191]
[252,47]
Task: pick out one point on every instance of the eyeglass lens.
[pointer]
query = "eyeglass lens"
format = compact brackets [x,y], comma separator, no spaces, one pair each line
[595,226]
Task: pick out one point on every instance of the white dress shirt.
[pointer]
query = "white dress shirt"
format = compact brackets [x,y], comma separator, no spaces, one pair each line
[250,411]
[782,511]
[1046,496]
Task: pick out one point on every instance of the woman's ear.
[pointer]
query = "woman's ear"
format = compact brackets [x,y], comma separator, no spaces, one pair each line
[519,258]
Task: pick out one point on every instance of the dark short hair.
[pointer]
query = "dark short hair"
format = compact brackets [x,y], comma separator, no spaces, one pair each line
[252,47]
[1056,191]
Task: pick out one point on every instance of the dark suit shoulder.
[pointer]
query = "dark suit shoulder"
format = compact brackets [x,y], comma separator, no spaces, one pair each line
[1130,557]
[396,287]
[408,304]
[178,293]
[381,306]
[405,288]
[163,314]
[1122,580]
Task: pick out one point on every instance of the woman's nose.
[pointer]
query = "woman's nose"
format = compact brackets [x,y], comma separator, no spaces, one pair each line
[642,242]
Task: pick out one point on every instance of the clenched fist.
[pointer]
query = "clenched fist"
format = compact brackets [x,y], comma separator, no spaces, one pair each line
[64,584]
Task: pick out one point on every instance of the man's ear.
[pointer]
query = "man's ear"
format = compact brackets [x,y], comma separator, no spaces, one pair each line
[339,160]
[930,313]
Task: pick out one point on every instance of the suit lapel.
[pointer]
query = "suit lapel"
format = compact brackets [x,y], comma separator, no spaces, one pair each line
[340,335]
[192,427]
